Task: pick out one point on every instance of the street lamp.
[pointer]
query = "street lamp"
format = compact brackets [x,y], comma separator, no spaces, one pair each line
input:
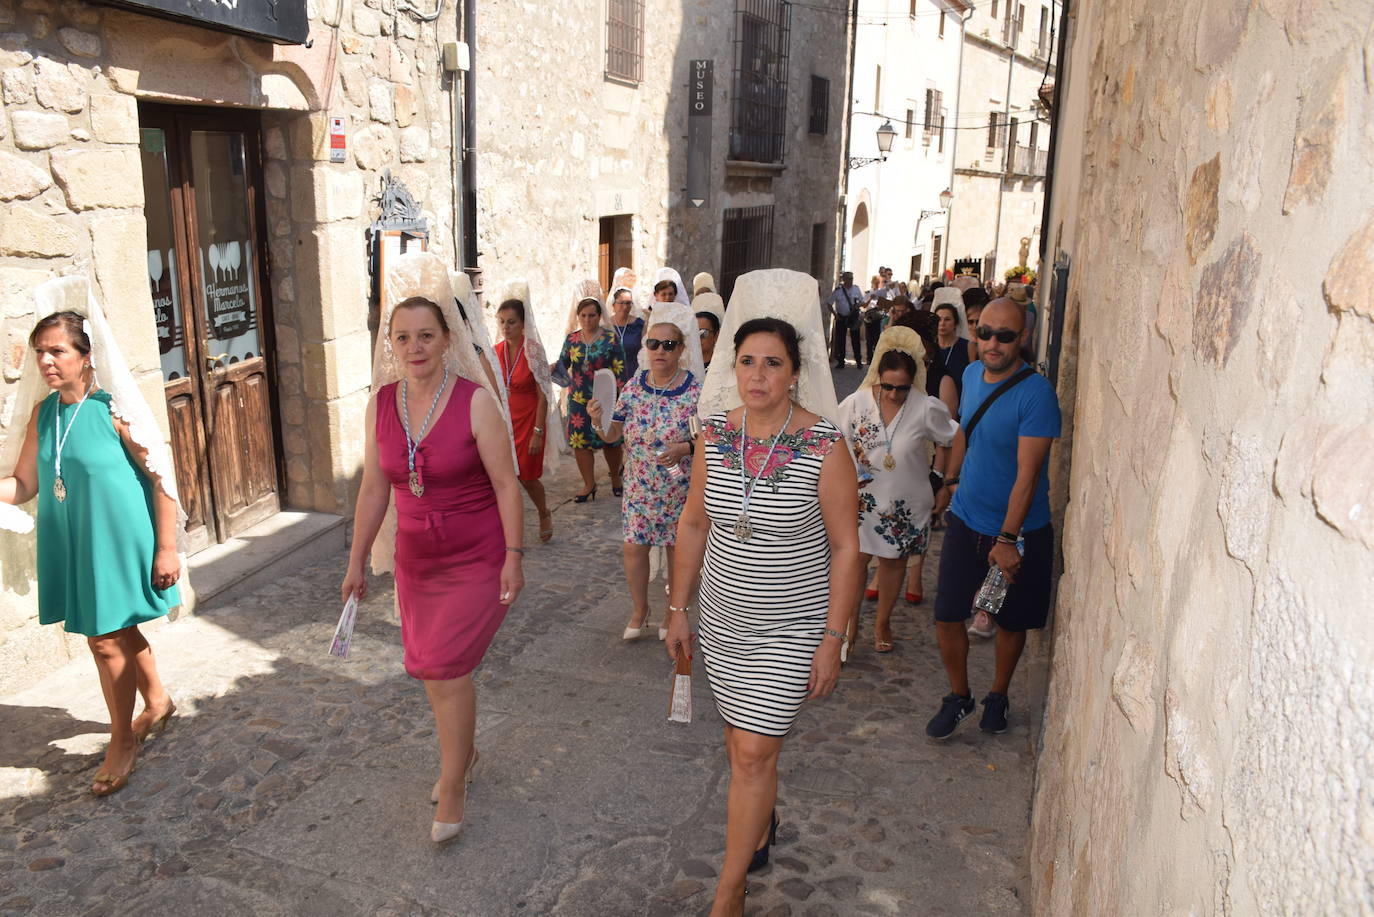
[886,134]
[946,196]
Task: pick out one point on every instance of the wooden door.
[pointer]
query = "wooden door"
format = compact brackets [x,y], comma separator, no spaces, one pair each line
[214,328]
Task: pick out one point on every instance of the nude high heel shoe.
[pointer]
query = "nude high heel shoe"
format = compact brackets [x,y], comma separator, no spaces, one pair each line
[441,832]
[467,776]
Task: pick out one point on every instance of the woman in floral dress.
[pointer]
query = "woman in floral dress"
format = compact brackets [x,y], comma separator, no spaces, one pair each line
[655,411]
[888,424]
[591,347]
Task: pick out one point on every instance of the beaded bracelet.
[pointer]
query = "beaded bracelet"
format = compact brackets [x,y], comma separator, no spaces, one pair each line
[516,550]
[684,610]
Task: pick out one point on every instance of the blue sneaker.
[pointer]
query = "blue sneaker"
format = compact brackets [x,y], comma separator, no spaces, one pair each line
[995,708]
[953,709]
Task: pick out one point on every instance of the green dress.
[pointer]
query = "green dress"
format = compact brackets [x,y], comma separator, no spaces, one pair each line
[95,549]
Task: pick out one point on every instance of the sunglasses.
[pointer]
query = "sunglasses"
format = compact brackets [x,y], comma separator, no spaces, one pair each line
[655,344]
[1003,335]
[705,332]
[889,387]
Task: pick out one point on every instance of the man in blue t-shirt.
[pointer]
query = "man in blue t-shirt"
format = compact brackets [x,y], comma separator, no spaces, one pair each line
[1001,497]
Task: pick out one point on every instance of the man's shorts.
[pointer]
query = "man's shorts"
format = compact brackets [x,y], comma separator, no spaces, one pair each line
[964,564]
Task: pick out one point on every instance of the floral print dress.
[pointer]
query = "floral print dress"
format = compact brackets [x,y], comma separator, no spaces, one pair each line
[653,418]
[581,361]
[894,508]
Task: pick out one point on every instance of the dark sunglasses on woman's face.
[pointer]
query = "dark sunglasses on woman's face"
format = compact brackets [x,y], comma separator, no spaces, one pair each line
[889,387]
[655,343]
[1003,335]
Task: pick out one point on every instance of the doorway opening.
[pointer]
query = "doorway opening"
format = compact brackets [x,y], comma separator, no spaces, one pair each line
[203,199]
[615,248]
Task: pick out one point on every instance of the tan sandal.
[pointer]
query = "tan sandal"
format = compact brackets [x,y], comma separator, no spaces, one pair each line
[157,727]
[545,533]
[112,783]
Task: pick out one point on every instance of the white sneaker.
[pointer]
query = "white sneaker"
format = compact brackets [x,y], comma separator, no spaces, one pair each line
[981,625]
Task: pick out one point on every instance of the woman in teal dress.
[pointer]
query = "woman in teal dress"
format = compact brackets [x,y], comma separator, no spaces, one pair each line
[591,347]
[107,557]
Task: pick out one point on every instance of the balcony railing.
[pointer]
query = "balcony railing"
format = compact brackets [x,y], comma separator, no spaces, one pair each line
[1028,161]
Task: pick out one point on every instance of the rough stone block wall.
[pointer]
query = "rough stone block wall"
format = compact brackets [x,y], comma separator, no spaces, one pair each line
[557,142]
[1210,725]
[71,200]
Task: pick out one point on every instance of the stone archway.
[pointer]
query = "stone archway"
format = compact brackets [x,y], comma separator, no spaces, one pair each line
[858,243]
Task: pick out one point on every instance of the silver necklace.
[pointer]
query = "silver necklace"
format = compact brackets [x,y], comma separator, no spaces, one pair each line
[660,391]
[59,487]
[416,487]
[514,361]
[743,529]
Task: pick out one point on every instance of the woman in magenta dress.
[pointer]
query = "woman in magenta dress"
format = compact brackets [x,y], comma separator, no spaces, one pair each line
[440,445]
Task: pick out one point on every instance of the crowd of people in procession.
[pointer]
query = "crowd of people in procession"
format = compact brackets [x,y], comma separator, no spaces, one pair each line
[721,436]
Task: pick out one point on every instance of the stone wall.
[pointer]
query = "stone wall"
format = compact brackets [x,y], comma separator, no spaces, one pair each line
[71,77]
[1208,733]
[560,146]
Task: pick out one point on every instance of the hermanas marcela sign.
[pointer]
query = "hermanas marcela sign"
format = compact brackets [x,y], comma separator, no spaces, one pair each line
[282,21]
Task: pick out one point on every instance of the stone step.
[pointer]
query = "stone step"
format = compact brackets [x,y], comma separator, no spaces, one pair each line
[265,553]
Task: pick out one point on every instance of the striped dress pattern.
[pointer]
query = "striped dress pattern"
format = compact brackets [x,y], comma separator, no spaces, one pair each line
[763,601]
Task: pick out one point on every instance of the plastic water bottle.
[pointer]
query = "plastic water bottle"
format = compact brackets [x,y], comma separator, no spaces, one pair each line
[993,592]
[675,470]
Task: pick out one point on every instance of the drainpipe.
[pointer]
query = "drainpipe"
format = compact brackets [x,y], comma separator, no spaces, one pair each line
[848,132]
[1052,342]
[456,165]
[954,146]
[470,143]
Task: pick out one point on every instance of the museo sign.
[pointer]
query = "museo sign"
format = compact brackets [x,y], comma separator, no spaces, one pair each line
[281,21]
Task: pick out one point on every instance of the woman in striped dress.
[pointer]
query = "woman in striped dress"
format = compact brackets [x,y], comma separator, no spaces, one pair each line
[769,526]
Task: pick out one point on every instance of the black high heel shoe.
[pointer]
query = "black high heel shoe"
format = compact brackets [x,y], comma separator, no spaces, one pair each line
[760,859]
[618,490]
[589,495]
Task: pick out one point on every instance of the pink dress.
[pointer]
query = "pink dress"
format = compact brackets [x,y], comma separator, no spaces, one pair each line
[450,546]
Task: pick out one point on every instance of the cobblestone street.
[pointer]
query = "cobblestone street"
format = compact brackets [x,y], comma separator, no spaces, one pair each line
[292,782]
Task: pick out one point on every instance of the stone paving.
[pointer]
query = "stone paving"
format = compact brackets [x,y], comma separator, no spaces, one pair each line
[295,783]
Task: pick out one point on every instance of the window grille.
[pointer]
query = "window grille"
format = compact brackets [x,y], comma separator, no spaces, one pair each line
[1010,140]
[625,40]
[935,101]
[819,122]
[758,118]
[940,134]
[992,130]
[746,244]
[910,123]
[818,268]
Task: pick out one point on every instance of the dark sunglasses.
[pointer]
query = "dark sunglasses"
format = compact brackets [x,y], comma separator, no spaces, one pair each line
[655,344]
[889,387]
[1003,335]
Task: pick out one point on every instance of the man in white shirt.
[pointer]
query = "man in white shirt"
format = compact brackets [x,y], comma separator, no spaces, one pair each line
[843,304]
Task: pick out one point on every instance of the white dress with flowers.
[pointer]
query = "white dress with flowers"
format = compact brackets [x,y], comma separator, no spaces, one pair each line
[764,601]
[894,508]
